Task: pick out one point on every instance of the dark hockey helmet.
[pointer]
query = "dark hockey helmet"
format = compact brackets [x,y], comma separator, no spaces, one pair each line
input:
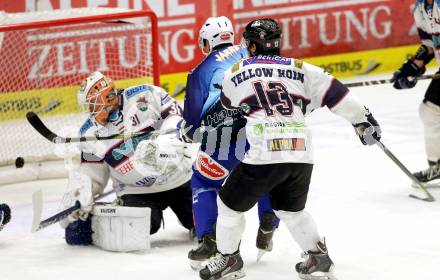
[265,34]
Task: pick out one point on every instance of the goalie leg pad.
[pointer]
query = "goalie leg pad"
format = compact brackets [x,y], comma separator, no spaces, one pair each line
[121,229]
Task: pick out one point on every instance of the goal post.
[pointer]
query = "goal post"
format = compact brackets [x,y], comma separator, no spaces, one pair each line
[45,56]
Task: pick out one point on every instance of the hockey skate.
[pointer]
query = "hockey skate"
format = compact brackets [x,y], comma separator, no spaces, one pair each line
[207,249]
[265,233]
[317,265]
[225,267]
[429,174]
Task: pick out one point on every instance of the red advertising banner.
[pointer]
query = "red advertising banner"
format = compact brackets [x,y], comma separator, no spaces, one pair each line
[318,27]
[310,27]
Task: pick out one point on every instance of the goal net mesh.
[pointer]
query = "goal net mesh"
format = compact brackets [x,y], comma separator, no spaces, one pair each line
[42,66]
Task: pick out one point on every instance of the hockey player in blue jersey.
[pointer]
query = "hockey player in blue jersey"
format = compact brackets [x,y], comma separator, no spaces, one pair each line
[216,157]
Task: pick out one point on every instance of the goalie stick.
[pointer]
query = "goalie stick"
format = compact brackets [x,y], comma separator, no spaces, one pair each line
[37,203]
[405,170]
[387,81]
[41,128]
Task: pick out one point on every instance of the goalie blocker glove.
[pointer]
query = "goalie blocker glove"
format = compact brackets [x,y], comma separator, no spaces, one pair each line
[369,131]
[5,215]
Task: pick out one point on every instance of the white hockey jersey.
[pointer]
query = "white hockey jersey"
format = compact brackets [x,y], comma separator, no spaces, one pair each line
[142,108]
[428,25]
[275,94]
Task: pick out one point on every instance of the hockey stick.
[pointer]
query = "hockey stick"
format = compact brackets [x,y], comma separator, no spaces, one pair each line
[37,202]
[387,81]
[428,185]
[41,128]
[405,170]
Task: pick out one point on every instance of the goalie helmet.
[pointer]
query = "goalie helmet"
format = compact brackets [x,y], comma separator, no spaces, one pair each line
[98,96]
[216,31]
[265,34]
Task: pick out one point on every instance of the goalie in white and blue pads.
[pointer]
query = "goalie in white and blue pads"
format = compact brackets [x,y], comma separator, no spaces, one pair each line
[146,172]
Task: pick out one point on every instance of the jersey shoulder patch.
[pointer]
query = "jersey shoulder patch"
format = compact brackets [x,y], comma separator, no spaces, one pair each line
[236,66]
[298,63]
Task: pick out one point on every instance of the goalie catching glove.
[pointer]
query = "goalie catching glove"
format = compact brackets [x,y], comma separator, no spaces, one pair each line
[164,154]
[369,131]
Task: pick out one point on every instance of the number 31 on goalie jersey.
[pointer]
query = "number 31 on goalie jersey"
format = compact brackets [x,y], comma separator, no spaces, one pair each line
[273,95]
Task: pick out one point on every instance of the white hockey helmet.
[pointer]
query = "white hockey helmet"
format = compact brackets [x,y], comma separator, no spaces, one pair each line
[98,96]
[216,31]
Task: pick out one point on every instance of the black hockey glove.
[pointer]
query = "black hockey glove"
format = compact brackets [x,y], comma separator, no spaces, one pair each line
[369,132]
[405,77]
[5,215]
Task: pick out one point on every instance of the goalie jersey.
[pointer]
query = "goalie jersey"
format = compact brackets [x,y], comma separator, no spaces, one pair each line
[142,108]
[427,20]
[276,94]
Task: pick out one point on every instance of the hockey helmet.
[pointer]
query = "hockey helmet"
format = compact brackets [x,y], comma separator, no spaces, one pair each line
[265,34]
[97,94]
[216,31]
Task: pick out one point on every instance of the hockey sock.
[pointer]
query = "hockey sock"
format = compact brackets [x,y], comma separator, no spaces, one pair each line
[264,206]
[205,211]
[302,227]
[230,227]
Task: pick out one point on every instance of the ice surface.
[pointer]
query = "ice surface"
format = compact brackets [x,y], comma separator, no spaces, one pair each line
[358,197]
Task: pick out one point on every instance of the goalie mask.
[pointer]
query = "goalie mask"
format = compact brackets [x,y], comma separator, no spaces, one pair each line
[265,34]
[98,96]
[215,31]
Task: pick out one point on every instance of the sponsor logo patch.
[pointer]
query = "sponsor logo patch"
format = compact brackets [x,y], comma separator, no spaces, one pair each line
[130,92]
[286,144]
[146,181]
[210,168]
[108,210]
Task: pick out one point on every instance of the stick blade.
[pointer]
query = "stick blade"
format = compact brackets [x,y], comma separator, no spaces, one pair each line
[39,126]
[428,199]
[37,204]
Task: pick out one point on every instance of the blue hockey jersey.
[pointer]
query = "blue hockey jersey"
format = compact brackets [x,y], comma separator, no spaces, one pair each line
[204,84]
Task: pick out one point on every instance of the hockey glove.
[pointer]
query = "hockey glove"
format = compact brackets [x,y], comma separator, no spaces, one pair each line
[5,215]
[405,77]
[369,131]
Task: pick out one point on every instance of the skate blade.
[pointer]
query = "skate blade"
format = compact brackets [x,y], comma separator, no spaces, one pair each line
[234,275]
[262,251]
[260,254]
[319,275]
[196,265]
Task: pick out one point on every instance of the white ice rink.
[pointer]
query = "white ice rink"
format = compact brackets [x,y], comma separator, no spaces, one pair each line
[358,198]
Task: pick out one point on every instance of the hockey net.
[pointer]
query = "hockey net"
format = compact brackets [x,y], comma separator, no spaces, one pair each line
[44,57]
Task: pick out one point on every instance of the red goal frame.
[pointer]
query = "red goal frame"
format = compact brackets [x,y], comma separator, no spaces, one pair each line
[87,19]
